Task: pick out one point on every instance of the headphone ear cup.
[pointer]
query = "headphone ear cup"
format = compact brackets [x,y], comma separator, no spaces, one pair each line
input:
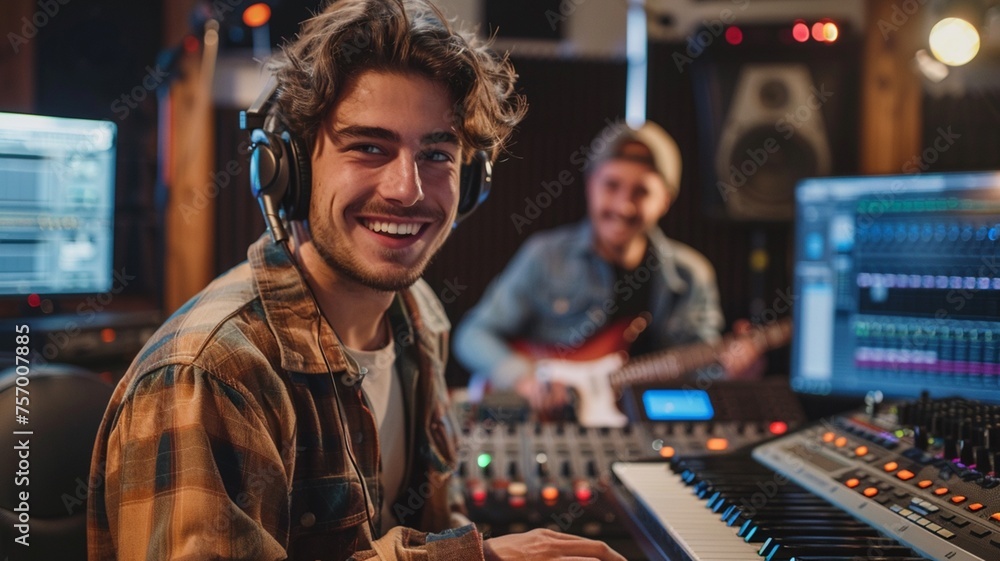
[296,201]
[475,179]
[269,178]
[268,175]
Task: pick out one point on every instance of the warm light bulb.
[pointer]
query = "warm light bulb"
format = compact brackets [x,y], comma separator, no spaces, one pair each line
[830,32]
[954,41]
[257,14]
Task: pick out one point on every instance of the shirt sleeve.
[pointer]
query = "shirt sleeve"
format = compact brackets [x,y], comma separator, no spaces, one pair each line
[193,472]
[405,544]
[481,338]
[698,314]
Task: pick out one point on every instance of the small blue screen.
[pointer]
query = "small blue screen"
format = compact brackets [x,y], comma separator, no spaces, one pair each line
[677,405]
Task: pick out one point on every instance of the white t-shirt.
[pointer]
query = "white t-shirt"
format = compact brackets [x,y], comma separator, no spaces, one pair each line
[384,391]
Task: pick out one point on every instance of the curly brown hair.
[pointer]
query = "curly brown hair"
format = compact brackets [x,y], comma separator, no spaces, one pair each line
[353,36]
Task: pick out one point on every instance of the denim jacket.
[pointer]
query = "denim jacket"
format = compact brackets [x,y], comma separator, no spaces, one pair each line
[224,439]
[558,291]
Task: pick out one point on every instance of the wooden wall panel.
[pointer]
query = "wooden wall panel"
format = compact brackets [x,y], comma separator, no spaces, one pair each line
[890,92]
[189,161]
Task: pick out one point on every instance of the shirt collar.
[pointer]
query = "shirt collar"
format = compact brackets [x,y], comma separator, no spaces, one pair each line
[659,244]
[292,312]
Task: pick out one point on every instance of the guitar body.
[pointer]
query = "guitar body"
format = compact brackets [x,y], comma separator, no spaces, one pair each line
[598,368]
[612,339]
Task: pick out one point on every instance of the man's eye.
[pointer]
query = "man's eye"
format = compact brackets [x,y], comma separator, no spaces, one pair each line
[368,149]
[437,156]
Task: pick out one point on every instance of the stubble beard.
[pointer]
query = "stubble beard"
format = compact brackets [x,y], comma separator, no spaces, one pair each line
[333,249]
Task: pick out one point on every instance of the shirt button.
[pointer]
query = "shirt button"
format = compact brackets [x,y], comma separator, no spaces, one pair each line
[560,306]
[308,519]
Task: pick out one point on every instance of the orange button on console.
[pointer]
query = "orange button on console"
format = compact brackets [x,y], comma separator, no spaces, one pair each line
[925,483]
[870,492]
[717,444]
[905,474]
[828,436]
[861,451]
[941,491]
[840,442]
[958,499]
[891,466]
[975,507]
[852,482]
[995,517]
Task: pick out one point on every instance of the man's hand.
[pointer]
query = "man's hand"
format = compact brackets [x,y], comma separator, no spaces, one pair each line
[545,545]
[546,398]
[742,359]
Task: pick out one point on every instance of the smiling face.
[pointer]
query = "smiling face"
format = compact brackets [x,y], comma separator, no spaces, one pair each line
[625,199]
[385,179]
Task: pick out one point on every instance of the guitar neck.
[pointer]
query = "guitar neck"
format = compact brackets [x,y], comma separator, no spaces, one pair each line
[671,364]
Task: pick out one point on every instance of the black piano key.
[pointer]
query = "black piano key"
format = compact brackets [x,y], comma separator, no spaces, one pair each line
[785,520]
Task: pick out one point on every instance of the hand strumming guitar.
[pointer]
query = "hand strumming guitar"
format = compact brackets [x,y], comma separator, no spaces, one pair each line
[545,398]
[741,357]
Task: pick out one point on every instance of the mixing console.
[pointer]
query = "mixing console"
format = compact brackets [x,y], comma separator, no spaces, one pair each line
[519,474]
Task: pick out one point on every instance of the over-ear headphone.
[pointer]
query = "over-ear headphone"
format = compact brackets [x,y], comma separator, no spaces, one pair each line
[281,176]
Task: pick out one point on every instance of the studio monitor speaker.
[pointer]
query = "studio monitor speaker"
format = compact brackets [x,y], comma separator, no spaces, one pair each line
[773,135]
[769,115]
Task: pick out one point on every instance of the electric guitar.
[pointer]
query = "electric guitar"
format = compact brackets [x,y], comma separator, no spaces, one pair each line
[600,368]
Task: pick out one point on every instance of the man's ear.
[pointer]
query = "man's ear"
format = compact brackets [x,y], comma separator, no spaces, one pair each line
[666,206]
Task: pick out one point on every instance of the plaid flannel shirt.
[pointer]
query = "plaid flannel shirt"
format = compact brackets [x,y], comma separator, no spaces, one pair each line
[223,441]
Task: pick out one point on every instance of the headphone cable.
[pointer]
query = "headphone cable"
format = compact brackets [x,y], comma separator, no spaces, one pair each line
[336,392]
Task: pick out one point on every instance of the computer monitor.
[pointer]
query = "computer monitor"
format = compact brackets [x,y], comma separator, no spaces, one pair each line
[897,285]
[57,200]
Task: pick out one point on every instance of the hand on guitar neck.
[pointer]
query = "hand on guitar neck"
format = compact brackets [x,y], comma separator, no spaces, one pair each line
[740,356]
[599,368]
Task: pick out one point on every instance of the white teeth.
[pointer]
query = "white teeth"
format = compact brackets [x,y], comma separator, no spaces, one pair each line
[392,227]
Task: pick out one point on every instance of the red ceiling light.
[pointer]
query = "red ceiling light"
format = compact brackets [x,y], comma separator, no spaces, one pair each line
[817,31]
[191,44]
[734,35]
[800,31]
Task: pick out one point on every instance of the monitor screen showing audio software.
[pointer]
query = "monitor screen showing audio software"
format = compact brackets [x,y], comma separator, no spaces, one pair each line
[57,179]
[897,285]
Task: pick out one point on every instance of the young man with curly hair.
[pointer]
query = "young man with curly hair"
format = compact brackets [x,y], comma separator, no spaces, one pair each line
[296,407]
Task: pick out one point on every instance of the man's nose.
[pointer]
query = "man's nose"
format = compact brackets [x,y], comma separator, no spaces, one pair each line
[402,183]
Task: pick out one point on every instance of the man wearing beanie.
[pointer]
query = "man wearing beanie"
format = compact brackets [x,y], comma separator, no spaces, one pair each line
[565,285]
